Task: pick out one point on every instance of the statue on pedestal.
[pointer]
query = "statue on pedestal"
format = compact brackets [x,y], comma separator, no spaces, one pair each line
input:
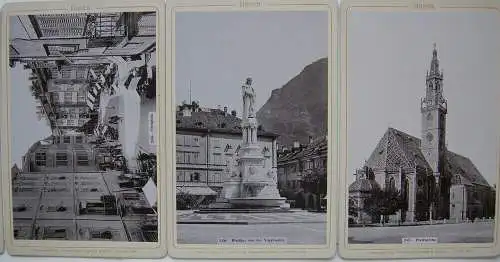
[251,184]
[248,99]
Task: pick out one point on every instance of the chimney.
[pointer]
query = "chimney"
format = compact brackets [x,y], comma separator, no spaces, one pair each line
[310,139]
[296,144]
[233,112]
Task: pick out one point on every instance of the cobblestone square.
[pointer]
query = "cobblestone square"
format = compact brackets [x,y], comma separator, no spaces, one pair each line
[298,227]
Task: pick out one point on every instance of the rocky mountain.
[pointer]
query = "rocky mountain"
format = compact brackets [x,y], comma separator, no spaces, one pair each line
[299,109]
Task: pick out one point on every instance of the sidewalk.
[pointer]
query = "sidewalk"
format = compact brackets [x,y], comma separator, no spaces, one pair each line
[188,217]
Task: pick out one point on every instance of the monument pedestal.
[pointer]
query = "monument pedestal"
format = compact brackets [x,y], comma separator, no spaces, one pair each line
[252,185]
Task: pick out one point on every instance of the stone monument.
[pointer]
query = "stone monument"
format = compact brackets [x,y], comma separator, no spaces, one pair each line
[251,184]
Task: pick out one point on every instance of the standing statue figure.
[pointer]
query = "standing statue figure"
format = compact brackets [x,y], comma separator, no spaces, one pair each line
[248,99]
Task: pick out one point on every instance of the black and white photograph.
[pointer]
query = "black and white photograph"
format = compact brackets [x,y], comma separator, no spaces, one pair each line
[422,131]
[83,141]
[251,92]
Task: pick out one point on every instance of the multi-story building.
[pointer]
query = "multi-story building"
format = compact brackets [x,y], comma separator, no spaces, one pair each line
[207,142]
[302,173]
[64,52]
[67,153]
[79,206]
[88,38]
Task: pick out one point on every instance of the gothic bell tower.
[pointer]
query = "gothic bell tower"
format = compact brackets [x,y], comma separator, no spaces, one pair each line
[433,109]
[433,146]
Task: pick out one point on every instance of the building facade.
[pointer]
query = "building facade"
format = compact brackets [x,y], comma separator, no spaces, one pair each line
[69,153]
[302,173]
[433,182]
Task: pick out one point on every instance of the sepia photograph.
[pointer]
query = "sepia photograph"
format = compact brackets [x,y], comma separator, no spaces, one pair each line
[83,141]
[251,92]
[422,132]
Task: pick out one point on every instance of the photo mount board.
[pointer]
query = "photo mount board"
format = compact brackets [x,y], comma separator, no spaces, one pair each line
[392,251]
[82,248]
[177,250]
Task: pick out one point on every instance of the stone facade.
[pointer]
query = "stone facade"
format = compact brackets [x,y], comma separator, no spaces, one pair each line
[299,164]
[60,154]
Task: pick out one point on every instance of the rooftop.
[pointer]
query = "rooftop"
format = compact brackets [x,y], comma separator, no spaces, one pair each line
[318,146]
[214,120]
[398,149]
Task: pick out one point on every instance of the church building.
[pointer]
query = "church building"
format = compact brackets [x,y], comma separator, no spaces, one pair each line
[434,183]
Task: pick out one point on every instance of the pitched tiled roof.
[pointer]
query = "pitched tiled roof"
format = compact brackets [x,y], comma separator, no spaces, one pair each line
[397,149]
[395,142]
[411,147]
[318,146]
[213,121]
[460,165]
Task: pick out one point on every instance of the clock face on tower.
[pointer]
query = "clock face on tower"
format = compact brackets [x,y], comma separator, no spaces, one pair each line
[429,137]
[429,116]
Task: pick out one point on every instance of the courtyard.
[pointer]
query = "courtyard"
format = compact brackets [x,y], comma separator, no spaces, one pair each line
[296,227]
[480,232]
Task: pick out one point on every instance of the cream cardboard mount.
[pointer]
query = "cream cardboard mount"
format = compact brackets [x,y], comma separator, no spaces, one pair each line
[249,190]
[92,182]
[448,207]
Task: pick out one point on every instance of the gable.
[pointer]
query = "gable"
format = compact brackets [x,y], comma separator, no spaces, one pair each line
[460,165]
[411,148]
[397,150]
[379,155]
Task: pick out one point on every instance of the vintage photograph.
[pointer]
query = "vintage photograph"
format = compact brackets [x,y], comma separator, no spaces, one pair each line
[423,136]
[251,127]
[83,126]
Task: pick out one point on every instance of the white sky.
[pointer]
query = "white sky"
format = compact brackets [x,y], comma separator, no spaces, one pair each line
[26,129]
[389,55]
[217,51]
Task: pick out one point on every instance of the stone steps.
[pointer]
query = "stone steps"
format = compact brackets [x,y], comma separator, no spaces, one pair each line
[246,210]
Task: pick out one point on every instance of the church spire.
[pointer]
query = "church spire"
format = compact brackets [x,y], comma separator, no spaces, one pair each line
[434,72]
[434,82]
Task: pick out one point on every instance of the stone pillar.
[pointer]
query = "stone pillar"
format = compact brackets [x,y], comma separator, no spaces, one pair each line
[255,139]
[410,214]
[437,198]
[245,135]
[273,154]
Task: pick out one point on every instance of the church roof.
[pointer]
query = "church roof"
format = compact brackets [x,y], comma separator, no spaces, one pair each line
[398,149]
[463,166]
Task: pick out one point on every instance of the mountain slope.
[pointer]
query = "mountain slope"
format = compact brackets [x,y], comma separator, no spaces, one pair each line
[299,109]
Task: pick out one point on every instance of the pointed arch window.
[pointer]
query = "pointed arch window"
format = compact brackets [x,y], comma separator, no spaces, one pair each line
[266,152]
[392,183]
